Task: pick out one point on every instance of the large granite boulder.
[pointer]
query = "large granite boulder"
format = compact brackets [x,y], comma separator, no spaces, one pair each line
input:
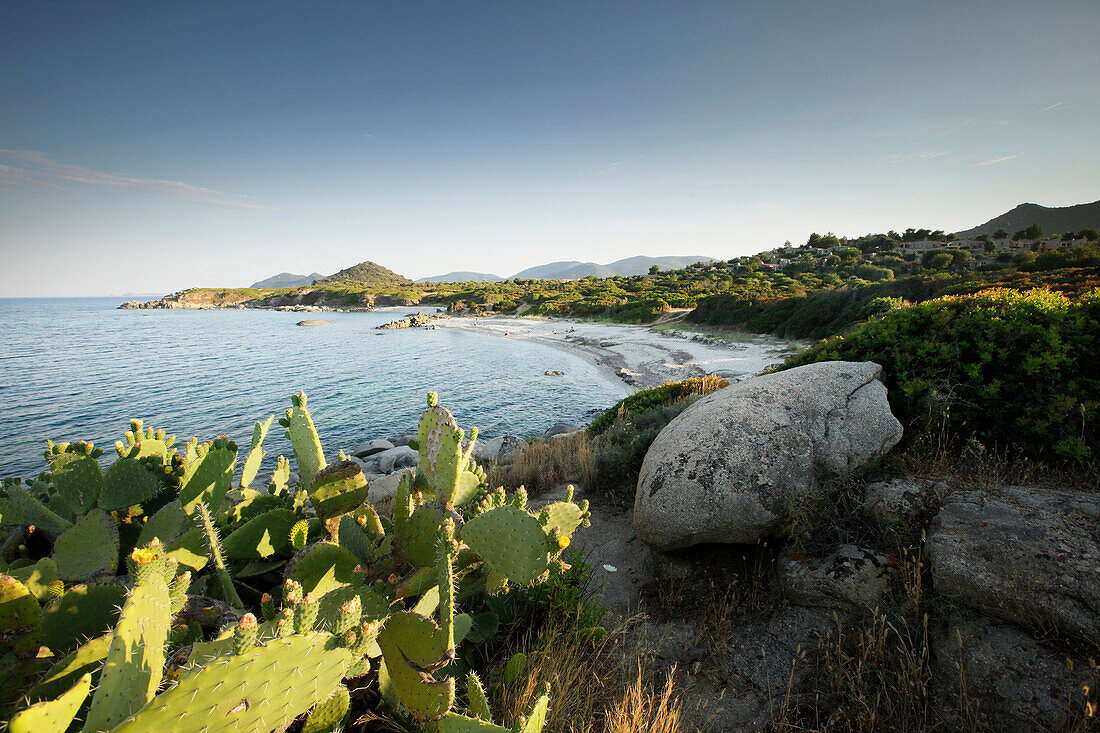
[500,450]
[725,469]
[1022,554]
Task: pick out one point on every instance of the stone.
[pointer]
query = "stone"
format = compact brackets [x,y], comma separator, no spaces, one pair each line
[313,323]
[400,440]
[395,458]
[850,579]
[1022,554]
[501,450]
[561,428]
[902,499]
[382,486]
[554,373]
[725,469]
[1022,685]
[371,447]
[768,660]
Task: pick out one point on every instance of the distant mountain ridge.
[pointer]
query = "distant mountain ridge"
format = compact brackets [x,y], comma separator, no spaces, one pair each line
[575,270]
[287,280]
[1053,220]
[462,276]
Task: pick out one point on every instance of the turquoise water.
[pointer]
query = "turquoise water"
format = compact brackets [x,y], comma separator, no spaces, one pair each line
[78,369]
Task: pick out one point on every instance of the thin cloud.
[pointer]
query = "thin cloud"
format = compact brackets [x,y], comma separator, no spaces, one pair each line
[915,155]
[1056,105]
[613,167]
[998,159]
[31,168]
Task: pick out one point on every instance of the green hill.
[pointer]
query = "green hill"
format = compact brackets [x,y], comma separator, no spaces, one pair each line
[366,273]
[1053,220]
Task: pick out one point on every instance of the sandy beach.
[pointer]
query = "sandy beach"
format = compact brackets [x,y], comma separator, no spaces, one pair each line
[639,356]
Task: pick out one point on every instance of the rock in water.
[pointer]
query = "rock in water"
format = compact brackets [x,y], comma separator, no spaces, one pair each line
[726,468]
[1022,554]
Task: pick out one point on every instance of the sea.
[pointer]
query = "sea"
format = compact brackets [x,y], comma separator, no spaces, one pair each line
[80,369]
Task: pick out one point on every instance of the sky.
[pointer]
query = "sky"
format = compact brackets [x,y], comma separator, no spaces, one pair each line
[147,147]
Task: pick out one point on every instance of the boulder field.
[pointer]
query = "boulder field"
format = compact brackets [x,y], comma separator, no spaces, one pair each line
[1006,579]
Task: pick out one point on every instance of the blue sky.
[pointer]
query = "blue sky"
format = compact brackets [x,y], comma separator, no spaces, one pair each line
[148,147]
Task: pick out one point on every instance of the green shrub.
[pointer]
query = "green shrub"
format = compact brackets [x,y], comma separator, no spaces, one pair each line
[648,399]
[1004,367]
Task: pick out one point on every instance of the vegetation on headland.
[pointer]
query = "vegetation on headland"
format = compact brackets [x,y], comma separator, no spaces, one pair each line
[818,289]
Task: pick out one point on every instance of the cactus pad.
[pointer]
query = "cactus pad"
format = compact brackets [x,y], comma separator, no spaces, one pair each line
[88,549]
[83,612]
[259,691]
[262,536]
[77,477]
[20,618]
[52,716]
[256,453]
[38,578]
[135,661]
[20,506]
[415,540]
[127,482]
[338,489]
[302,434]
[86,660]
[209,477]
[329,713]
[413,647]
[511,541]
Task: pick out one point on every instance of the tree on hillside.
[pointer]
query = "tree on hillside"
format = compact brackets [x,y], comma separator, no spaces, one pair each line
[654,269]
[1000,234]
[1033,232]
[1090,234]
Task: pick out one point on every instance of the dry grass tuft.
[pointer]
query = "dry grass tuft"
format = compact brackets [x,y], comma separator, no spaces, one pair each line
[545,464]
[597,685]
[644,709]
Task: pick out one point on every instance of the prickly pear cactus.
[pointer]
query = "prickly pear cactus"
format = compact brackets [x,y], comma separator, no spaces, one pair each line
[209,476]
[18,505]
[413,647]
[88,549]
[262,536]
[263,689]
[443,463]
[338,489]
[135,662]
[20,618]
[303,436]
[129,481]
[142,442]
[53,716]
[329,713]
[511,541]
[256,453]
[75,472]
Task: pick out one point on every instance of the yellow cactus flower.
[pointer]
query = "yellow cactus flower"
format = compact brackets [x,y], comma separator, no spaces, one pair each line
[563,542]
[143,555]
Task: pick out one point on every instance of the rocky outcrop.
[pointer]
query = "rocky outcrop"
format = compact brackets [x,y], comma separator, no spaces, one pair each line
[1022,554]
[501,450]
[725,469]
[850,579]
[416,320]
[561,428]
[371,447]
[902,500]
[1013,682]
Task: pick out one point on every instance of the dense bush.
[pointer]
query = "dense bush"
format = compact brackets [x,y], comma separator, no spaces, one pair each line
[648,399]
[1005,367]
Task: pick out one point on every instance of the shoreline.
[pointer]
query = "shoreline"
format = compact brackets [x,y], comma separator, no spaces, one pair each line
[637,356]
